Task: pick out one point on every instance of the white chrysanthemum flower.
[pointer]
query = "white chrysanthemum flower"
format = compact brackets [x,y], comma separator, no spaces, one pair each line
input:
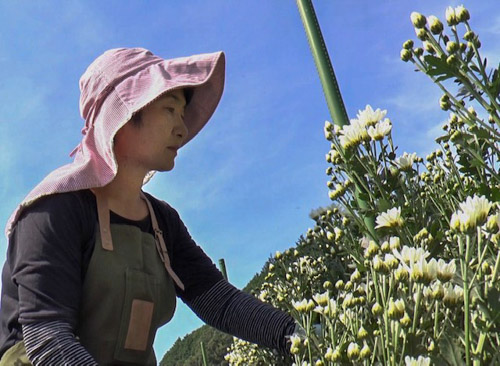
[322,299]
[390,218]
[406,161]
[304,305]
[295,340]
[391,261]
[409,255]
[380,130]
[353,134]
[353,350]
[452,295]
[369,117]
[477,208]
[462,13]
[445,271]
[451,17]
[420,361]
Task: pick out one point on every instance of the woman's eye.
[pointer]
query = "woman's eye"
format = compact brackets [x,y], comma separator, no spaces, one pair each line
[170,109]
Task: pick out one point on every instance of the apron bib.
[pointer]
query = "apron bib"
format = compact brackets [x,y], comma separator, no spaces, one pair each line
[127,295]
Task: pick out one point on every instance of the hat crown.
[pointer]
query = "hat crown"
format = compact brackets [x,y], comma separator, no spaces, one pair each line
[107,71]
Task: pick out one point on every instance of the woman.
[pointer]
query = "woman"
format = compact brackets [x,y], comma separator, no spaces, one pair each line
[94,264]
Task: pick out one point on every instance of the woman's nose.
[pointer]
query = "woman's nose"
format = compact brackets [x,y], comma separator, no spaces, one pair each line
[181,128]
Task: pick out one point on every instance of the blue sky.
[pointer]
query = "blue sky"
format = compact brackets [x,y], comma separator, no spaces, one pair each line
[246,184]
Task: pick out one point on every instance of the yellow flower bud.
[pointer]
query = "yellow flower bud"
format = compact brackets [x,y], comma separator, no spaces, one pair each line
[418,20]
[408,45]
[451,17]
[353,351]
[385,247]
[394,243]
[362,333]
[355,276]
[405,55]
[435,25]
[377,309]
[405,321]
[365,352]
[396,309]
[462,13]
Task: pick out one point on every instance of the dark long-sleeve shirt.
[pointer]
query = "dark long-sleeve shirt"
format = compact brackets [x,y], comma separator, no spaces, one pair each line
[48,255]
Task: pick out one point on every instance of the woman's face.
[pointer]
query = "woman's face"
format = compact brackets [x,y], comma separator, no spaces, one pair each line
[153,144]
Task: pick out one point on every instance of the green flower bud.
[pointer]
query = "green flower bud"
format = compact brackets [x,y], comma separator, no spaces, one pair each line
[435,25]
[365,352]
[452,47]
[339,285]
[405,321]
[452,60]
[418,20]
[444,102]
[396,309]
[408,45]
[429,47]
[421,34]
[362,333]
[394,243]
[492,223]
[469,36]
[377,309]
[451,17]
[418,51]
[405,55]
[379,265]
[401,274]
[353,351]
[356,276]
[337,355]
[462,13]
[348,286]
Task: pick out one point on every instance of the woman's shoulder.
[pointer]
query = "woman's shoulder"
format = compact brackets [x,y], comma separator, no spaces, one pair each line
[76,207]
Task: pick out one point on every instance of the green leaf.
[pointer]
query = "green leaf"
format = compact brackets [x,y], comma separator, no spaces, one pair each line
[451,350]
[383,205]
[495,194]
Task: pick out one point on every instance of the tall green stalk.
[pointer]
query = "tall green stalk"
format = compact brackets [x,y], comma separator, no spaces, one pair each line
[330,85]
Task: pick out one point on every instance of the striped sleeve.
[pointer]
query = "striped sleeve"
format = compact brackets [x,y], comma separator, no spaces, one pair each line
[53,343]
[232,311]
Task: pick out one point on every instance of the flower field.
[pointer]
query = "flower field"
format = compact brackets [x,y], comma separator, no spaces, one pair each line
[403,267]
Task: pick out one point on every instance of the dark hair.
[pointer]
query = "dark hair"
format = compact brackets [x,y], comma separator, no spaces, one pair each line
[137,116]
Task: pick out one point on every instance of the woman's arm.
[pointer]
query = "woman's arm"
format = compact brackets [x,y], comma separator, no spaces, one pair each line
[232,311]
[47,257]
[53,343]
[217,302]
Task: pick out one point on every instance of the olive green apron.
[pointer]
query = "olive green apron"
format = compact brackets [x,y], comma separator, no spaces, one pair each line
[127,295]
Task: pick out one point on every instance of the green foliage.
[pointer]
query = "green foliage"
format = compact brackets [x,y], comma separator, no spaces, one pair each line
[187,351]
[423,284]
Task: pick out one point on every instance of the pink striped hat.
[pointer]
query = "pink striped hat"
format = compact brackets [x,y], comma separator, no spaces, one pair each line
[116,85]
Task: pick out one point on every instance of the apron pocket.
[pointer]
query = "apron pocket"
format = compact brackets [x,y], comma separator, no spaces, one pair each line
[137,326]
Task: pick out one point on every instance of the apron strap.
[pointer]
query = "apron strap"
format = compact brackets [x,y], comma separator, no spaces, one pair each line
[103,215]
[107,241]
[160,244]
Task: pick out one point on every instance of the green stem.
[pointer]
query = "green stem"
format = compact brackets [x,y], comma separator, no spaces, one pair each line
[417,305]
[495,270]
[436,313]
[465,279]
